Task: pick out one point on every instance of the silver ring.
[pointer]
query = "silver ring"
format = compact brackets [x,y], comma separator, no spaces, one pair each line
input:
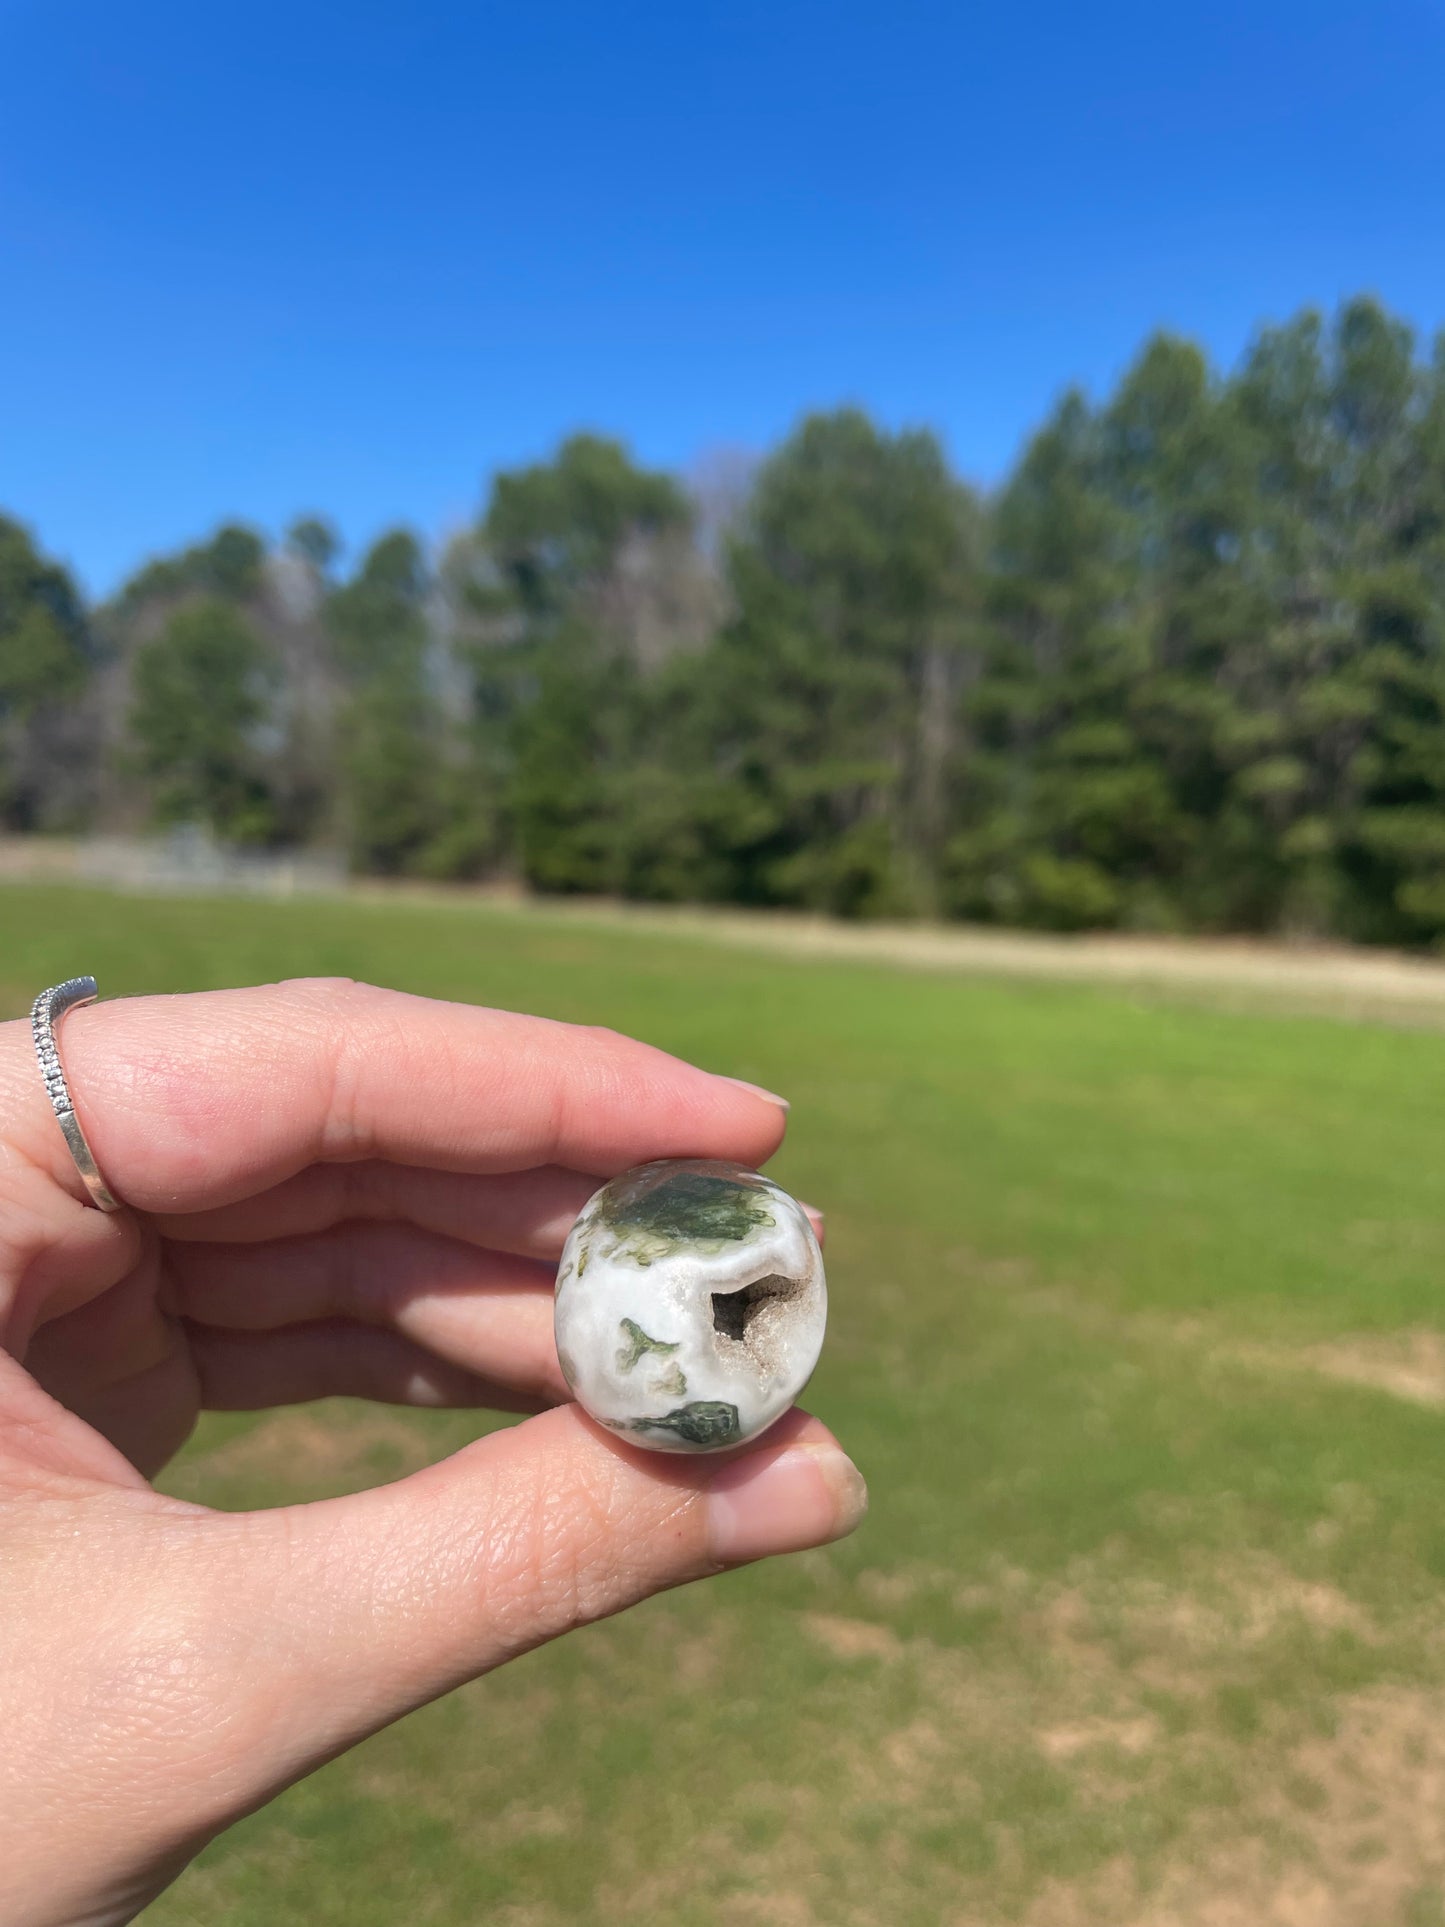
[49,1007]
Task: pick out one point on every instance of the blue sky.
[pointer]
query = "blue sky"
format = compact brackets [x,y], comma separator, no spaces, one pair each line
[265,257]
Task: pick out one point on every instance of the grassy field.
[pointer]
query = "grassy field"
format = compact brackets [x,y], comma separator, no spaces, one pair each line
[1139,1335]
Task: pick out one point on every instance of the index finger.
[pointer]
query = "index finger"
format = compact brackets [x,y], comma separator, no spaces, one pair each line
[195,1101]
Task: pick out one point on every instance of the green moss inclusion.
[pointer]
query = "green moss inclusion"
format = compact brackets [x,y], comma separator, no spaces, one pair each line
[691,1207]
[635,1343]
[707,1421]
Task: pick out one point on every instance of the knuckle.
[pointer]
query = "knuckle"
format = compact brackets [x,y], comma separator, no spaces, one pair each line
[308,992]
[368,1028]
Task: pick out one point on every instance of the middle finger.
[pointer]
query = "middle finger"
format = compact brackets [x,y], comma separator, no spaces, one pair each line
[525,1212]
[488,1311]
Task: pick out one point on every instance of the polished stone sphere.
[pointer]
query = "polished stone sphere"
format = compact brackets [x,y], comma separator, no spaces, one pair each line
[690,1304]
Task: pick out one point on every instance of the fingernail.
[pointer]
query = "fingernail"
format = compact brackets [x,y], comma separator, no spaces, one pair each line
[758,1091]
[808,1495]
[818,1218]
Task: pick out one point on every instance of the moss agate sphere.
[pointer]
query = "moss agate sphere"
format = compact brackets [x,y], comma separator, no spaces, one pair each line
[690,1305]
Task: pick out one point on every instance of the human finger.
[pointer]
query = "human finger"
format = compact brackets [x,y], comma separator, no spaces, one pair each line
[197,1101]
[243,1371]
[483,1310]
[389,1597]
[525,1212]
[526,1534]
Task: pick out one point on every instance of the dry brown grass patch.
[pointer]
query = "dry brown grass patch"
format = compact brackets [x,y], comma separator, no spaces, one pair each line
[852,1638]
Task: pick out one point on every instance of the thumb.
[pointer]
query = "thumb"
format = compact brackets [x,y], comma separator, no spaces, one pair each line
[173,1668]
[359,1609]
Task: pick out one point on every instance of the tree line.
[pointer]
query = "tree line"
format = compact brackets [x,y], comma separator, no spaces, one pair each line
[1184,669]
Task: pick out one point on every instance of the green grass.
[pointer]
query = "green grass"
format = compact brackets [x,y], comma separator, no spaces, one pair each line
[1144,1625]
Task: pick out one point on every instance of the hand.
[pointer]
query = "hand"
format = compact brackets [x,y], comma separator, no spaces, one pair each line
[331,1189]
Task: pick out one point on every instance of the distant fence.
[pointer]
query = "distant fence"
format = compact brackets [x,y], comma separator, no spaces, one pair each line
[183,860]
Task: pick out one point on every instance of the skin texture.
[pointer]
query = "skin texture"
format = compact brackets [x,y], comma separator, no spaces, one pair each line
[330,1189]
